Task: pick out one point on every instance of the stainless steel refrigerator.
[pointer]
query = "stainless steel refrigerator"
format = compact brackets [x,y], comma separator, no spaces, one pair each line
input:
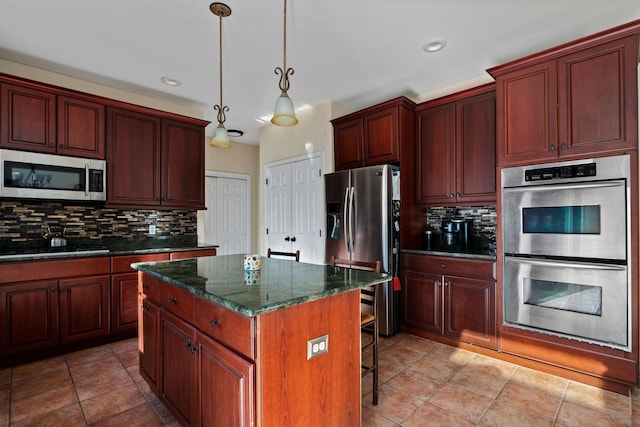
[363,224]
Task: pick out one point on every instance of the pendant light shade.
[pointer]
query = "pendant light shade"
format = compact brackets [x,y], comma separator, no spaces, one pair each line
[284,114]
[221,136]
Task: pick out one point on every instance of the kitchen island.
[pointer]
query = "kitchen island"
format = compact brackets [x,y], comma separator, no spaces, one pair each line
[224,346]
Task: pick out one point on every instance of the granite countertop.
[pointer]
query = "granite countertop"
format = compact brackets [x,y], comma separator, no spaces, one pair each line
[278,284]
[11,250]
[475,254]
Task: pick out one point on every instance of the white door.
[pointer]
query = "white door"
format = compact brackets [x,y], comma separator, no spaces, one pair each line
[226,219]
[294,209]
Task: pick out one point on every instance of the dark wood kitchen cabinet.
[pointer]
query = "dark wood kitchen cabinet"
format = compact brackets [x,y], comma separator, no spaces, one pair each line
[42,119]
[197,372]
[455,149]
[373,136]
[576,100]
[154,162]
[50,302]
[450,299]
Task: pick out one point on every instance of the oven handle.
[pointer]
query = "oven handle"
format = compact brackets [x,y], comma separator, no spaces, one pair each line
[566,264]
[564,186]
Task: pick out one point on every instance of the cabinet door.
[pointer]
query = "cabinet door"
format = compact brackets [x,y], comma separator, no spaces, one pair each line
[28,316]
[348,143]
[81,129]
[422,301]
[182,164]
[84,308]
[133,158]
[435,173]
[470,310]
[526,122]
[177,366]
[148,341]
[27,119]
[597,101]
[476,149]
[124,302]
[225,386]
[382,139]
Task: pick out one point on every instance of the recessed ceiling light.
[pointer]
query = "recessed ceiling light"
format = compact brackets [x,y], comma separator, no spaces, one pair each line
[234,133]
[434,46]
[170,81]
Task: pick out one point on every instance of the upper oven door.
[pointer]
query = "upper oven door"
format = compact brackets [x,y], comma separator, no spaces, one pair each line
[584,220]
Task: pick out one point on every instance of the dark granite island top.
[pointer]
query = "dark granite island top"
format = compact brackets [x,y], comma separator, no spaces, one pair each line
[278,284]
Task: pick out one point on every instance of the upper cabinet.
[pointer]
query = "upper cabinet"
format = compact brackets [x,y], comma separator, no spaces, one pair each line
[34,118]
[455,149]
[153,161]
[373,136]
[579,99]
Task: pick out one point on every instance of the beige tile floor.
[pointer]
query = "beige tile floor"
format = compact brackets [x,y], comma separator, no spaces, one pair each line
[423,383]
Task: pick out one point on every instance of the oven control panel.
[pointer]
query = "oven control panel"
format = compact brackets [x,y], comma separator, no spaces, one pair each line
[560,172]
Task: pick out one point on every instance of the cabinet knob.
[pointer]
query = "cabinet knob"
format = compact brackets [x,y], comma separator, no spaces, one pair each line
[451,195]
[172,300]
[54,290]
[446,283]
[52,145]
[457,194]
[443,265]
[144,307]
[61,146]
[552,147]
[438,283]
[213,322]
[62,289]
[145,286]
[563,145]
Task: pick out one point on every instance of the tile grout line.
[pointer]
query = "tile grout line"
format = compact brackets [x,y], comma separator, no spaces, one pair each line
[496,396]
[75,390]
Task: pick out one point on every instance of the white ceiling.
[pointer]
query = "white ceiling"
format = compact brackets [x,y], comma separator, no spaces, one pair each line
[355,52]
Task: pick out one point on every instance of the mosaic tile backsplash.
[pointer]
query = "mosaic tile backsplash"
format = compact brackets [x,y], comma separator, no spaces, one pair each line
[485,222]
[20,220]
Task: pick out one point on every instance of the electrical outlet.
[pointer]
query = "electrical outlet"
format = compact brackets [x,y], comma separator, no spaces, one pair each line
[317,346]
[152,229]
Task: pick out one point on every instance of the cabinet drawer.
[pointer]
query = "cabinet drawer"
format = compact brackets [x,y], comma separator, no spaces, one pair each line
[232,329]
[122,264]
[465,267]
[177,301]
[21,271]
[149,286]
[192,253]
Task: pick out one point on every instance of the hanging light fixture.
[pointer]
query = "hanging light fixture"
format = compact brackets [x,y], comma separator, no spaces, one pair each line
[284,114]
[221,136]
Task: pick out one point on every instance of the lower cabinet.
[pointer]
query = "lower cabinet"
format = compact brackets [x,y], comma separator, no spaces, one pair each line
[454,298]
[84,308]
[199,378]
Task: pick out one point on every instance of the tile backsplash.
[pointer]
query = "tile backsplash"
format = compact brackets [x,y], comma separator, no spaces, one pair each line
[28,220]
[484,221]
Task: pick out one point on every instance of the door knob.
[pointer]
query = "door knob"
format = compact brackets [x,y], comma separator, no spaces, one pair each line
[293,239]
[287,239]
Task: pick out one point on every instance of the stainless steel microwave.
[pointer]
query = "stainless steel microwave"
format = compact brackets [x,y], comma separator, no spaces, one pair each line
[49,176]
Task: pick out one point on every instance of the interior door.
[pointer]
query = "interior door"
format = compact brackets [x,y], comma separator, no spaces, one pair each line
[294,211]
[226,220]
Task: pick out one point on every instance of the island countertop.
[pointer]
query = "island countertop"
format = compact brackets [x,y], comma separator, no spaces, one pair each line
[278,284]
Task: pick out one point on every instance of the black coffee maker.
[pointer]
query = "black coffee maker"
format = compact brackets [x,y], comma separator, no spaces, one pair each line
[457,235]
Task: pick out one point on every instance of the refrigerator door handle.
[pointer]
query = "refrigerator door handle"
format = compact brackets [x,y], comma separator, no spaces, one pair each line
[352,219]
[346,220]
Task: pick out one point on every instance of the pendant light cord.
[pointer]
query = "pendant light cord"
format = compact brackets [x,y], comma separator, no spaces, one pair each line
[284,71]
[220,108]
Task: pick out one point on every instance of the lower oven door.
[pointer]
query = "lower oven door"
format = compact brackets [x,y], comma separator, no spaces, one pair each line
[584,301]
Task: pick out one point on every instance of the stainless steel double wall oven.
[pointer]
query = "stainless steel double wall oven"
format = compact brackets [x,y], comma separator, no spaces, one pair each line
[566,245]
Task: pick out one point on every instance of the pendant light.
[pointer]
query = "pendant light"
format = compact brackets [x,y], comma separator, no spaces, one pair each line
[221,136]
[284,114]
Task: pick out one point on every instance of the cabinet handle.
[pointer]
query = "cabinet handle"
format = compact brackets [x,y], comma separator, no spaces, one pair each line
[172,301]
[145,286]
[552,147]
[213,322]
